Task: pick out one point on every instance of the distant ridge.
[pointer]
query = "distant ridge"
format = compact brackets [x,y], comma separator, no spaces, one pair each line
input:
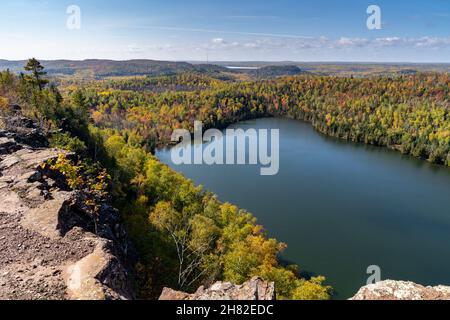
[100,68]
[106,68]
[109,68]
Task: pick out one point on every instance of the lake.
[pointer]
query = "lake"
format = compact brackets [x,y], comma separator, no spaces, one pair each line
[342,207]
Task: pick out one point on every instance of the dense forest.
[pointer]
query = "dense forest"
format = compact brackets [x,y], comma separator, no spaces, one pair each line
[409,113]
[185,236]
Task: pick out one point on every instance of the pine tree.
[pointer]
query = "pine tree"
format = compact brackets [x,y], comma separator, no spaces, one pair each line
[37,73]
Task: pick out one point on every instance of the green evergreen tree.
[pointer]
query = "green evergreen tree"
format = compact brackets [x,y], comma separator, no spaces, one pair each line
[37,73]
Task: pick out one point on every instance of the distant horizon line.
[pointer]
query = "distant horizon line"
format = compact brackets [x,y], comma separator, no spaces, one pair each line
[236,61]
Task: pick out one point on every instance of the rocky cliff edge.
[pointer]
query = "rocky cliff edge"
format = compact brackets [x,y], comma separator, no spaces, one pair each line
[49,248]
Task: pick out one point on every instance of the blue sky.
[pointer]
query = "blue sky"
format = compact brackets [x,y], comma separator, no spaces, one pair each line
[298,30]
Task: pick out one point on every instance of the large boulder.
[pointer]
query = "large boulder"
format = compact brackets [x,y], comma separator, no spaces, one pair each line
[401,290]
[23,130]
[255,290]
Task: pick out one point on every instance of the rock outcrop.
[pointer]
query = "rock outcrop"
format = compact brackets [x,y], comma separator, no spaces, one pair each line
[49,246]
[401,290]
[254,290]
[257,289]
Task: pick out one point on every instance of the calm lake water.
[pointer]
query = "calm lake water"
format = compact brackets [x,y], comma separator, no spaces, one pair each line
[342,207]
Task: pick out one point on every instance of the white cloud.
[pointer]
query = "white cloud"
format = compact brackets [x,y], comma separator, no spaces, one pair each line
[433,42]
[324,49]
[423,42]
[262,48]
[269,44]
[351,42]
[218,40]
[389,41]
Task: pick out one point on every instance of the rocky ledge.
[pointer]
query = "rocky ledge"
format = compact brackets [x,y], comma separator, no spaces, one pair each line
[254,290]
[401,290]
[49,247]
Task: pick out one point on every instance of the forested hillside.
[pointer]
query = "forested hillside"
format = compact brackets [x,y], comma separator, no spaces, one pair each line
[100,69]
[409,113]
[104,68]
